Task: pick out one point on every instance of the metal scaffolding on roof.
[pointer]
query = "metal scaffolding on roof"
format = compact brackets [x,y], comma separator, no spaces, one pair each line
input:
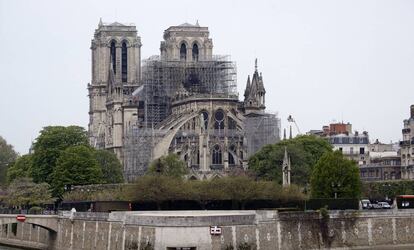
[162,80]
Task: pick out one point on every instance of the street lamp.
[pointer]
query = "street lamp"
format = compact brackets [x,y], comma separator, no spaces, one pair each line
[335,187]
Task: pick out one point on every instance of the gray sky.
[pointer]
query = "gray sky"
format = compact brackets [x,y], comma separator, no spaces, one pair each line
[321,60]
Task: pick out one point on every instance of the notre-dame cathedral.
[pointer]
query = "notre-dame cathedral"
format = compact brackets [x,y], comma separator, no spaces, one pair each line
[182,101]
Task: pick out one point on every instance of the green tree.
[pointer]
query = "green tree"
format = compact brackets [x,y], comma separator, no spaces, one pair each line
[110,166]
[333,173]
[170,165]
[51,142]
[75,166]
[7,157]
[157,189]
[304,151]
[21,168]
[23,192]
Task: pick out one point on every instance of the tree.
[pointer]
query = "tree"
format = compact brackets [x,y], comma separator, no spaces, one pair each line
[334,175]
[304,152]
[21,168]
[23,192]
[170,165]
[7,157]
[51,142]
[75,166]
[110,166]
[157,189]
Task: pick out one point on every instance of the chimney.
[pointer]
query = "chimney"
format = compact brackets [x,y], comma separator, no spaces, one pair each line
[412,111]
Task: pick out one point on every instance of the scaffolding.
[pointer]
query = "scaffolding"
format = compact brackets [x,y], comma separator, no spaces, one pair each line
[161,82]
[138,146]
[261,130]
[163,79]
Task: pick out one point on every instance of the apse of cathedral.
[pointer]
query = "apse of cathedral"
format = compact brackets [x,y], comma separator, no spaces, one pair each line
[183,101]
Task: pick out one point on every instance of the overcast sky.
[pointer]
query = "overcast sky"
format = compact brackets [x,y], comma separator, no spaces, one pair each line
[350,61]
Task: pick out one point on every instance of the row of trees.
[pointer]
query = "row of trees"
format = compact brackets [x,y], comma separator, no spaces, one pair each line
[240,189]
[61,157]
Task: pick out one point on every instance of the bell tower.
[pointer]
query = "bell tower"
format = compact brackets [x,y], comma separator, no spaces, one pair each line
[116,72]
[186,42]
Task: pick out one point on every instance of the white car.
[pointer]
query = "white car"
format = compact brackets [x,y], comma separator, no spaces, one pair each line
[384,205]
[366,204]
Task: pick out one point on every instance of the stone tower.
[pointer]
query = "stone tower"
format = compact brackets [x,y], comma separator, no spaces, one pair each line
[116,72]
[186,42]
[254,95]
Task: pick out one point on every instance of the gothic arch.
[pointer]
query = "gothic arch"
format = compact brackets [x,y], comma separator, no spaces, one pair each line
[199,43]
[124,60]
[185,41]
[112,53]
[216,154]
[113,39]
[195,51]
[183,52]
[126,41]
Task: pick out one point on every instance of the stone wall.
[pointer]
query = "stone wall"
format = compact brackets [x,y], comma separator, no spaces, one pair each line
[255,229]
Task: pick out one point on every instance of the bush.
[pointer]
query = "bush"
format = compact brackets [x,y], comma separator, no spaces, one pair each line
[238,190]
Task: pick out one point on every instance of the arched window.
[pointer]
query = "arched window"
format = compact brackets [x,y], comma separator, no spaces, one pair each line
[231,159]
[183,52]
[195,52]
[219,119]
[217,156]
[113,56]
[232,150]
[124,61]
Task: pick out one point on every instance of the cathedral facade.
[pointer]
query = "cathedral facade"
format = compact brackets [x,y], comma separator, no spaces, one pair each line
[183,101]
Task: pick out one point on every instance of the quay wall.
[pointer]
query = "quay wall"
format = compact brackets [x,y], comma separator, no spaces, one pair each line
[165,230]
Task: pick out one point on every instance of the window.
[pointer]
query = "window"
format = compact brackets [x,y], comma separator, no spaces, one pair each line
[231,159]
[113,56]
[124,61]
[195,52]
[183,52]
[204,117]
[232,150]
[219,119]
[217,156]
[351,150]
[361,151]
[340,149]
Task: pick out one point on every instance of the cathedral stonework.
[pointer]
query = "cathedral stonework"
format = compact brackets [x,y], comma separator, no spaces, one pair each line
[183,101]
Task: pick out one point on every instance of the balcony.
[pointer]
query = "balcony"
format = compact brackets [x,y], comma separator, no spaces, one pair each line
[406,130]
[405,143]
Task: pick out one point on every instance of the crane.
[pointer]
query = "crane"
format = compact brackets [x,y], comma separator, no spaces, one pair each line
[290,119]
